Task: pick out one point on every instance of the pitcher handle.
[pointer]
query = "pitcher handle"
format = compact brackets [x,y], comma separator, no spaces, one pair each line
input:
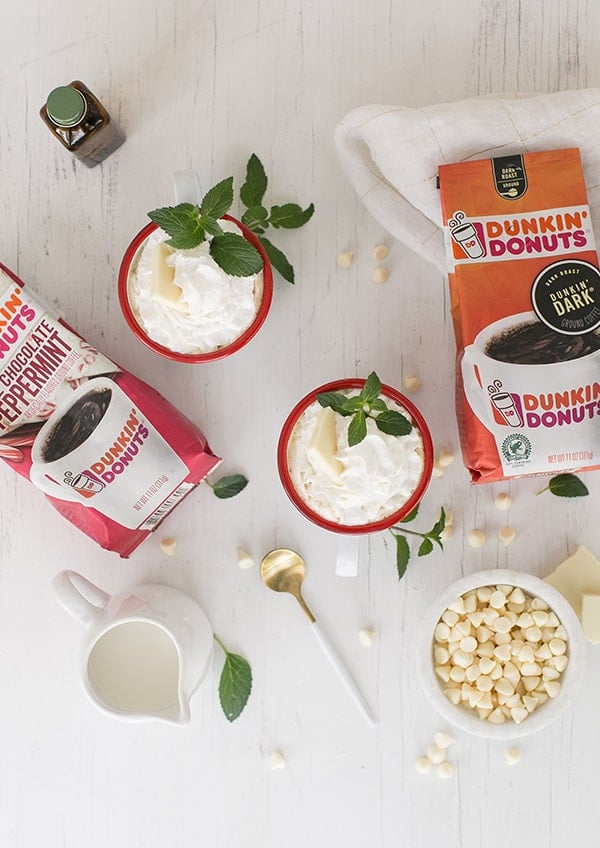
[187,188]
[79,596]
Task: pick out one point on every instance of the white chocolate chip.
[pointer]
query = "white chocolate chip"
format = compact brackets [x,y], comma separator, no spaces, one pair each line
[497,599]
[380,251]
[517,596]
[380,274]
[168,546]
[506,535]
[476,538]
[276,760]
[444,770]
[244,559]
[445,458]
[345,259]
[437,470]
[367,637]
[442,631]
[412,383]
[435,754]
[447,533]
[423,765]
[442,739]
[512,756]
[557,646]
[448,522]
[503,501]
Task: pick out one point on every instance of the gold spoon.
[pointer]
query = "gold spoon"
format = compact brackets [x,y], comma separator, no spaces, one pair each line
[283,570]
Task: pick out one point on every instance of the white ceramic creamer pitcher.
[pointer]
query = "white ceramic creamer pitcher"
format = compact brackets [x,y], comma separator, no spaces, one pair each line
[145,650]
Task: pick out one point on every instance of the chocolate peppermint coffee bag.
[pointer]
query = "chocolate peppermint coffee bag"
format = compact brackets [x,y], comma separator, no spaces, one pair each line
[524,286]
[108,451]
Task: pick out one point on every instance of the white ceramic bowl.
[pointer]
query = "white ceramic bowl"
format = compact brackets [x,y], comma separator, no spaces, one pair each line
[468,720]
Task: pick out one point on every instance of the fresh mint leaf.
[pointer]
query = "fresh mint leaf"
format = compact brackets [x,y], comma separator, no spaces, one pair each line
[256,218]
[278,260]
[378,405]
[290,216]
[235,685]
[181,223]
[411,515]
[218,199]
[425,547]
[393,423]
[371,389]
[439,525]
[228,487]
[253,190]
[211,225]
[235,255]
[337,401]
[402,555]
[566,486]
[357,429]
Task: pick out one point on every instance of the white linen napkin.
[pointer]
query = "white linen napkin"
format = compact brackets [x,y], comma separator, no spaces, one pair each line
[391,154]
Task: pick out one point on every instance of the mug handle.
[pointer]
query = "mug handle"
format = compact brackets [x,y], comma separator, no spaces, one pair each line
[38,477]
[471,387]
[79,596]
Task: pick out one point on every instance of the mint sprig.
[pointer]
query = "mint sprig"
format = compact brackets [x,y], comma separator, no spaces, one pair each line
[428,539]
[566,486]
[228,487]
[189,225]
[367,404]
[259,218]
[235,683]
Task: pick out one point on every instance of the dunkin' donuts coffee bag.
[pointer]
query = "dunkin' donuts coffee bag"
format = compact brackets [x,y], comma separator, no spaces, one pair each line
[110,454]
[525,289]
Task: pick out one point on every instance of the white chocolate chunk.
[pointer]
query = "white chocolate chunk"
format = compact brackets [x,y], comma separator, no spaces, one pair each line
[322,446]
[412,383]
[444,770]
[367,637]
[476,538]
[442,739]
[423,765]
[380,251]
[502,501]
[276,760]
[512,756]
[435,754]
[164,289]
[168,546]
[590,617]
[380,274]
[244,559]
[506,535]
[345,259]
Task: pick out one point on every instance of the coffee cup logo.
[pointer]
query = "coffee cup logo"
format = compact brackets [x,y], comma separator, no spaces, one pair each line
[465,235]
[506,405]
[83,484]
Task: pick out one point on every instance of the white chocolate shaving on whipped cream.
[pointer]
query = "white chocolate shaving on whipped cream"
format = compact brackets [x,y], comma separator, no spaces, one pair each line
[376,477]
[214,308]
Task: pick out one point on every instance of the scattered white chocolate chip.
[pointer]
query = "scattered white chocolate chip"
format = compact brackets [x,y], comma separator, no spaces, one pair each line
[445,458]
[437,471]
[244,559]
[423,765]
[447,533]
[276,760]
[367,637]
[512,756]
[168,546]
[345,259]
[442,739]
[476,538]
[435,754]
[506,535]
[444,770]
[380,274]
[503,501]
[380,251]
[412,383]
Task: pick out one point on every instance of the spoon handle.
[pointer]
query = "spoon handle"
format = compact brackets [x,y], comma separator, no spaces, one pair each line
[343,673]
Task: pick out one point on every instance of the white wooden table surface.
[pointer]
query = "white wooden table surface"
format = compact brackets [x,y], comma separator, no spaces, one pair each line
[204,84]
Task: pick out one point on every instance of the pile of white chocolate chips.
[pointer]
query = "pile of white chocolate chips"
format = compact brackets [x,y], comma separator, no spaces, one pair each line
[500,652]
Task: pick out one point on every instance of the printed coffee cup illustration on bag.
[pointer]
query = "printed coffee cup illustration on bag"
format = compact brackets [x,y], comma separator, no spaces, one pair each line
[99,450]
[525,294]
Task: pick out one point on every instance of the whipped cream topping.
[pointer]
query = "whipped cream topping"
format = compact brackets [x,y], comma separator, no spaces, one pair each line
[380,473]
[221,307]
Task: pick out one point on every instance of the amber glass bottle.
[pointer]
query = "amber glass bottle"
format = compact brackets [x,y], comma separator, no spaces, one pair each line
[81,123]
